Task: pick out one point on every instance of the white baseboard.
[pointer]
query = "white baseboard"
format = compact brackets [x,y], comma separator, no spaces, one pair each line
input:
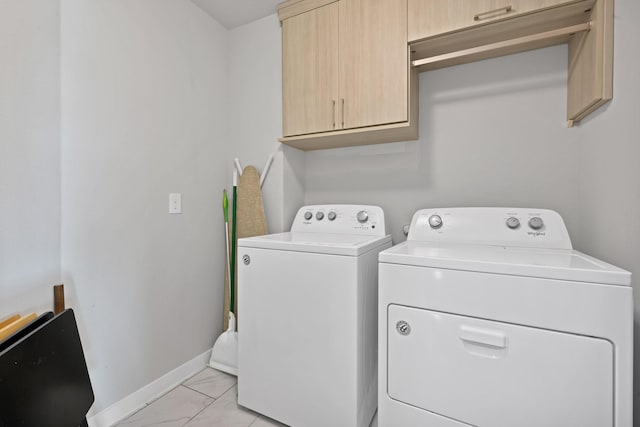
[139,399]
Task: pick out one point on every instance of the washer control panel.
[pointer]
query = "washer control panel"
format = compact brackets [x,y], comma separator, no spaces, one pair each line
[518,227]
[340,219]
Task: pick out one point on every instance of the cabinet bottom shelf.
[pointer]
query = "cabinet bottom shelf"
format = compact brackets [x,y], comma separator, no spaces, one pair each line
[394,132]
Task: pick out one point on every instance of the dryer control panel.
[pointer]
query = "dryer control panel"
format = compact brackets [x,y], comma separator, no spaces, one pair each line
[518,227]
[340,219]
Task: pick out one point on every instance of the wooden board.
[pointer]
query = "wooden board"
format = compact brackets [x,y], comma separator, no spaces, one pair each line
[58,299]
[16,325]
[9,320]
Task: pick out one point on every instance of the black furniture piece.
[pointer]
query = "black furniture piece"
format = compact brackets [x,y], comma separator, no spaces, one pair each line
[44,380]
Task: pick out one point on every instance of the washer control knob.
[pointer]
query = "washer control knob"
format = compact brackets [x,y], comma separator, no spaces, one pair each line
[319,215]
[435,221]
[363,217]
[513,223]
[331,216]
[536,223]
[308,215]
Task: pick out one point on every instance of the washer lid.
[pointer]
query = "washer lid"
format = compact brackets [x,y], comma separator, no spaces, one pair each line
[561,264]
[320,243]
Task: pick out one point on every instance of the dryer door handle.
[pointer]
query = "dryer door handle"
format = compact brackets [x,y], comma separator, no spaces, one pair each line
[483,336]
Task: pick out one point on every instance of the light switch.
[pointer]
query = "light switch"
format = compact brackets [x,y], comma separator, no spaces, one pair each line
[175,203]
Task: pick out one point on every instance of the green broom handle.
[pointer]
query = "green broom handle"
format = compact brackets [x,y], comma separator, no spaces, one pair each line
[233,245]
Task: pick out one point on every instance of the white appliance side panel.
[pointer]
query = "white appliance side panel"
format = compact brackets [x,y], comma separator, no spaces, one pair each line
[297,336]
[492,374]
[367,307]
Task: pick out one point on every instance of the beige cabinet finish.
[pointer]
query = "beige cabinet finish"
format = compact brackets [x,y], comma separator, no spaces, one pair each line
[373,62]
[432,17]
[451,32]
[590,75]
[310,71]
[346,73]
[348,78]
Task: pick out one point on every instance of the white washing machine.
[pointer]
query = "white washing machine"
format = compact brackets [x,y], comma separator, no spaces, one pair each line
[307,327]
[488,318]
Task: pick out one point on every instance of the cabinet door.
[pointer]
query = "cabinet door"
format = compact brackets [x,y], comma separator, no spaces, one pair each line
[431,17]
[310,71]
[590,78]
[373,63]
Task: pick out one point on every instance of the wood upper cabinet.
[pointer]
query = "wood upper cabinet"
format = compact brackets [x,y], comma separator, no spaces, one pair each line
[373,62]
[345,65]
[310,70]
[431,17]
[590,76]
[450,32]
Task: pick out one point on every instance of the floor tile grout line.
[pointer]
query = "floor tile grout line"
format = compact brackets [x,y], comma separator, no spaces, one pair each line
[206,406]
[254,421]
[190,388]
[211,403]
[203,393]
[163,395]
[175,387]
[198,413]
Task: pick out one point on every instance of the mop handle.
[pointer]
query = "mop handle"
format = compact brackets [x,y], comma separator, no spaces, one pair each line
[225,208]
[234,245]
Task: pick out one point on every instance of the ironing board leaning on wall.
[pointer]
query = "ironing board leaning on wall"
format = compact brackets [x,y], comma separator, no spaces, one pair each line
[250,219]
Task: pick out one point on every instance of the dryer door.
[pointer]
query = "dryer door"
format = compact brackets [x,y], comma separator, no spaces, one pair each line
[492,374]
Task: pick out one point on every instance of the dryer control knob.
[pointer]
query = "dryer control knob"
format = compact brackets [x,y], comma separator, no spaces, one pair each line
[319,216]
[363,217]
[403,328]
[435,221]
[308,215]
[536,223]
[331,216]
[513,223]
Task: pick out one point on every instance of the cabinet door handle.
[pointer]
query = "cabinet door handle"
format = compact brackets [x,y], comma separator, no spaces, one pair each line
[334,113]
[493,13]
[342,113]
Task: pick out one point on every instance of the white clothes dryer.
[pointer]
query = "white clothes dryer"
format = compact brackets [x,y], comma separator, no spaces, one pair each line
[307,326]
[489,318]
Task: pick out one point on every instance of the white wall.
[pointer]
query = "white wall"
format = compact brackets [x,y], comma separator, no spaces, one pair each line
[255,118]
[144,99]
[491,133]
[29,155]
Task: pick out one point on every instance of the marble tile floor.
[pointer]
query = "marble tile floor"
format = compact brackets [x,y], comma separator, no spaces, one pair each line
[207,399]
